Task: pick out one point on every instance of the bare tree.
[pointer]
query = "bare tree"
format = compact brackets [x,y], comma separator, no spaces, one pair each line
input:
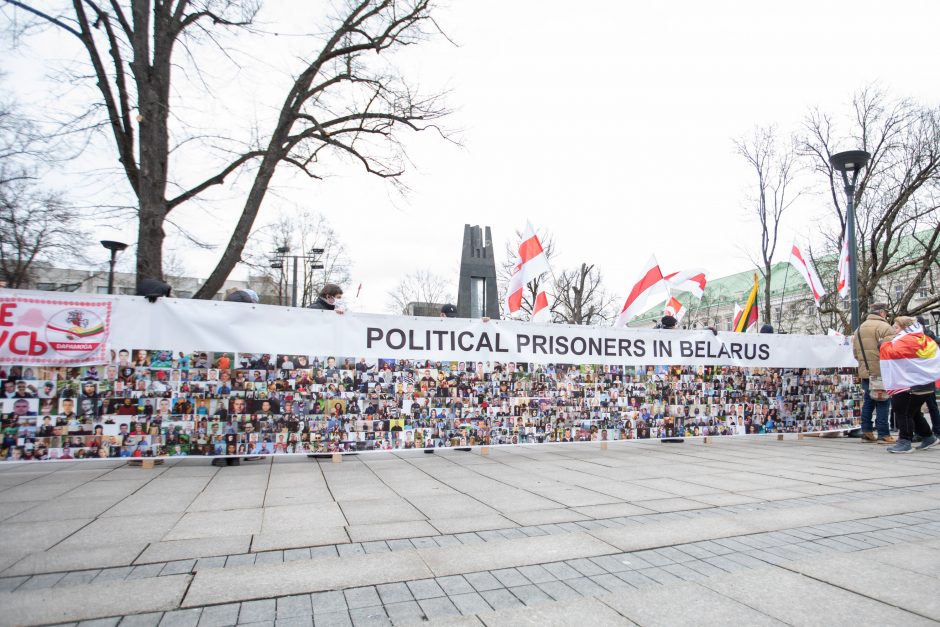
[299,232]
[505,270]
[581,298]
[421,286]
[36,224]
[774,166]
[344,102]
[896,199]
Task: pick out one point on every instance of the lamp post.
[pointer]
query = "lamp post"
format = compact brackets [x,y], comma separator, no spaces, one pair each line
[935,314]
[280,256]
[850,163]
[115,248]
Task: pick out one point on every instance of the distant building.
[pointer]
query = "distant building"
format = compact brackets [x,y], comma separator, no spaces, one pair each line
[793,308]
[52,279]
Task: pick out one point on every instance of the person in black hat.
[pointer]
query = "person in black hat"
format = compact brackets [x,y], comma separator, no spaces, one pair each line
[670,323]
[152,289]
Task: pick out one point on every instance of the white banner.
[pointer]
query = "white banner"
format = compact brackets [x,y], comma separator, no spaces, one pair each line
[185,325]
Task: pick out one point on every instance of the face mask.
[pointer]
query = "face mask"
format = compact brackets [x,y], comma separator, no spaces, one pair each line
[340,304]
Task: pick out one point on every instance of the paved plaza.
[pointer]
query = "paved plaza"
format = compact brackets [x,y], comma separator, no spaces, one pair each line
[754,531]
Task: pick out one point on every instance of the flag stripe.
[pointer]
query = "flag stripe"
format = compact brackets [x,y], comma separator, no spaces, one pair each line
[749,314]
[808,273]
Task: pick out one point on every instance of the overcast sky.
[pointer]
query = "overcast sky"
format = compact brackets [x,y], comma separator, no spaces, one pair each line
[609,124]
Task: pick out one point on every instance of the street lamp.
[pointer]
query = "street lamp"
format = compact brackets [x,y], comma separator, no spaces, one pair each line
[281,255]
[935,314]
[115,248]
[850,163]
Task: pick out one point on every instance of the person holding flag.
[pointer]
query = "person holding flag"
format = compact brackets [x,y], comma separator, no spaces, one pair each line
[910,367]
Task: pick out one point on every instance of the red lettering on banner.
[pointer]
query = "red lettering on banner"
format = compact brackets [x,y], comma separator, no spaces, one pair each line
[32,348]
[72,346]
[6,311]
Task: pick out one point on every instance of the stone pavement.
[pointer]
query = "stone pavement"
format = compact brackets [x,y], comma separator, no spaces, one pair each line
[747,531]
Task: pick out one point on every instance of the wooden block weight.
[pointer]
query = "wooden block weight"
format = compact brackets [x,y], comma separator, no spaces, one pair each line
[484,450]
[337,458]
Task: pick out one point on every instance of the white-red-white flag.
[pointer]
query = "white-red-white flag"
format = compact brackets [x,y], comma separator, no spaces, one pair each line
[803,265]
[843,283]
[541,311]
[531,263]
[651,283]
[687,281]
[675,309]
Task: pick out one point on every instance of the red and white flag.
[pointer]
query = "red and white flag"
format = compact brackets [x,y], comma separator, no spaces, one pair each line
[692,281]
[651,284]
[911,358]
[531,263]
[808,272]
[843,283]
[675,309]
[541,312]
[752,319]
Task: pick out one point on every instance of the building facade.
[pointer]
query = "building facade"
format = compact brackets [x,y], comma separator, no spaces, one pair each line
[52,279]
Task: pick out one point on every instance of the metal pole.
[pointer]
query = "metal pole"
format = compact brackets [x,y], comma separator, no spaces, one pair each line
[786,275]
[111,272]
[293,296]
[850,228]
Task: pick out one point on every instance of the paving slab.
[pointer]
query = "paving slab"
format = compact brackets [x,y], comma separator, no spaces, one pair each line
[378,511]
[57,559]
[121,530]
[867,577]
[59,605]
[511,553]
[227,584]
[576,613]
[468,524]
[390,531]
[171,550]
[842,607]
[658,607]
[315,536]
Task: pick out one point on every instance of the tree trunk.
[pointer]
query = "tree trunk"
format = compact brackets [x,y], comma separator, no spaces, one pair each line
[768,309]
[233,251]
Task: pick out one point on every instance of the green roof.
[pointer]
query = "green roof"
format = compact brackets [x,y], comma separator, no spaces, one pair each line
[785,281]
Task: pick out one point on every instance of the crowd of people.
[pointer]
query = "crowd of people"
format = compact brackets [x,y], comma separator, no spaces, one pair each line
[148,403]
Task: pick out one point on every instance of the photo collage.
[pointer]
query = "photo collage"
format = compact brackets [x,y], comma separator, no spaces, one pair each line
[157,403]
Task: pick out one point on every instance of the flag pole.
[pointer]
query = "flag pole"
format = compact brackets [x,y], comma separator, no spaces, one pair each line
[786,275]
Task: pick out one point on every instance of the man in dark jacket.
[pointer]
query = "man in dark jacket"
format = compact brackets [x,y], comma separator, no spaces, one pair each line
[871,333]
[330,296]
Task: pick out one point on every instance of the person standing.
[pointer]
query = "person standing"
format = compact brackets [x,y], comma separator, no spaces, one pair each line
[865,344]
[912,366]
[931,399]
[330,298]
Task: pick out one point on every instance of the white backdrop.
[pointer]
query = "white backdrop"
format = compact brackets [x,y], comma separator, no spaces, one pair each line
[189,325]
